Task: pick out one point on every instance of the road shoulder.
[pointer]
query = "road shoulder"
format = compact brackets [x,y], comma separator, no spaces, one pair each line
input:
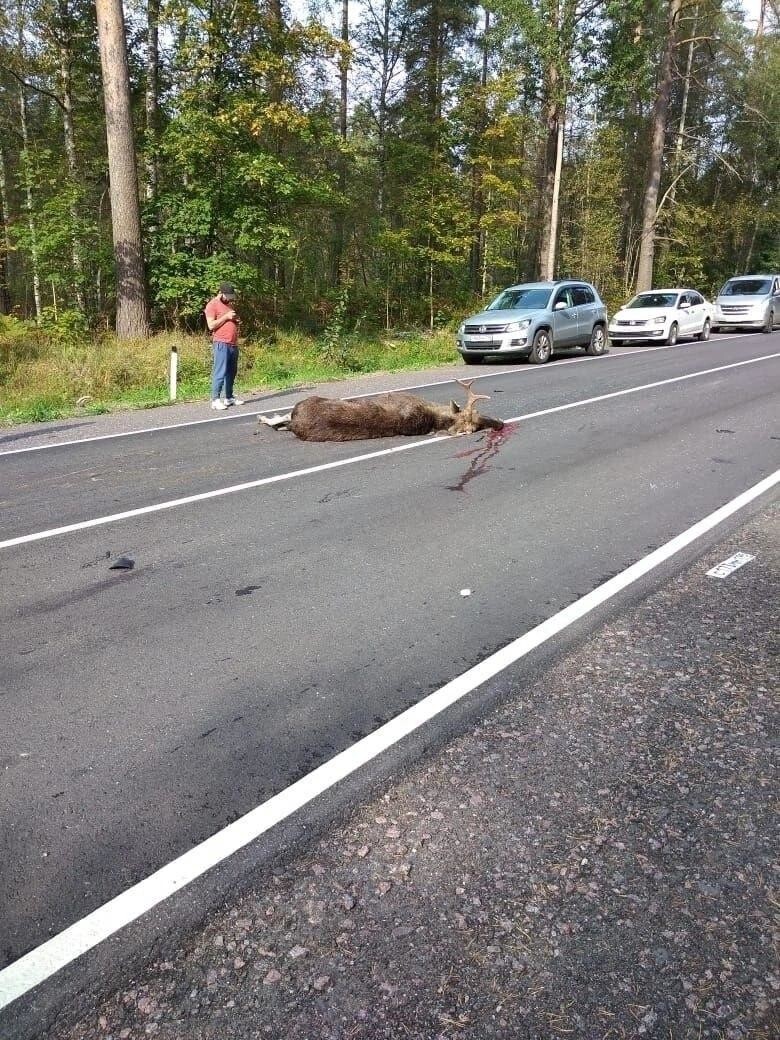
[592,860]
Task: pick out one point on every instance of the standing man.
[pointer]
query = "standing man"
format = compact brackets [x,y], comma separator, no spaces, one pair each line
[223,323]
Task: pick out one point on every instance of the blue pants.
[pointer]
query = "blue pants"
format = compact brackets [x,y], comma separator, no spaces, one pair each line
[223,371]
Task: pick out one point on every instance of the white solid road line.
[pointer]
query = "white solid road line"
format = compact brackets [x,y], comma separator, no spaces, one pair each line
[48,958]
[203,496]
[244,413]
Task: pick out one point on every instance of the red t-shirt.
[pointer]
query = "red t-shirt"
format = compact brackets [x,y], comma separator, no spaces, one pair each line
[228,330]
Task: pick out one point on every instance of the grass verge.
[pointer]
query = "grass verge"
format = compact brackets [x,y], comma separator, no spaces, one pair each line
[44,376]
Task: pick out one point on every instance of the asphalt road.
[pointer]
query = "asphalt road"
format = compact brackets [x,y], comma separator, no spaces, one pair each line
[262,630]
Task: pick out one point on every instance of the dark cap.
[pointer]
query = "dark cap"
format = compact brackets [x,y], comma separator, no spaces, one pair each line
[227,290]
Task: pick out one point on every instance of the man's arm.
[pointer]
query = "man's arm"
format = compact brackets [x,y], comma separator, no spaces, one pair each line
[216,323]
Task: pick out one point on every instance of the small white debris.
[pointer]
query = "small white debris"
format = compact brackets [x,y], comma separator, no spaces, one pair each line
[465,592]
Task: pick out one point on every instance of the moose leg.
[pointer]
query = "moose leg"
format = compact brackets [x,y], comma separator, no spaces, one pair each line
[276,422]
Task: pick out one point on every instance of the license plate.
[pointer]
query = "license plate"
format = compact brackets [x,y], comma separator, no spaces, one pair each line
[479,339]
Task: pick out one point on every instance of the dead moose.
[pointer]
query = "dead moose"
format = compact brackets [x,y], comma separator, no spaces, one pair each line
[389,415]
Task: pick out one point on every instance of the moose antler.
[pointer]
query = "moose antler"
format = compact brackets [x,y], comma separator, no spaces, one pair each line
[472,397]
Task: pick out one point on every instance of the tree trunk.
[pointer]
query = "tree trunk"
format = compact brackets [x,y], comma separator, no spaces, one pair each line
[478,272]
[548,270]
[382,104]
[70,152]
[678,148]
[644,280]
[552,124]
[152,95]
[339,238]
[555,96]
[132,311]
[5,242]
[27,172]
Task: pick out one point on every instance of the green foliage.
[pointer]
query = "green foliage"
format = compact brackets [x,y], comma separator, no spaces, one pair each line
[435,196]
[64,326]
[332,343]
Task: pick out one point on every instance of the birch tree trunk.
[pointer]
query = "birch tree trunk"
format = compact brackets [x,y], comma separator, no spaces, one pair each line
[152,96]
[382,108]
[644,278]
[677,165]
[132,311]
[338,245]
[5,242]
[70,150]
[557,75]
[478,245]
[548,270]
[28,194]
[551,120]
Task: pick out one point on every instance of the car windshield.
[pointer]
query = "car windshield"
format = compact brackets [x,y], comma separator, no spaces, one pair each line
[746,287]
[521,299]
[653,299]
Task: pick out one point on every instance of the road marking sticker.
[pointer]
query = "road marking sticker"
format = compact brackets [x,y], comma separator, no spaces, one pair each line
[243,413]
[730,565]
[203,496]
[48,958]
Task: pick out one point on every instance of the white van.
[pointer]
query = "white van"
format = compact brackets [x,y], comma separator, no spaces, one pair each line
[751,301]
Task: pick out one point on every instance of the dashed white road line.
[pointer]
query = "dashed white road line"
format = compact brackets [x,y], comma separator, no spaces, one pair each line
[44,961]
[244,413]
[203,496]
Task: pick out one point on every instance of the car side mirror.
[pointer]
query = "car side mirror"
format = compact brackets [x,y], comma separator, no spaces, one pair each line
[684,305]
[561,305]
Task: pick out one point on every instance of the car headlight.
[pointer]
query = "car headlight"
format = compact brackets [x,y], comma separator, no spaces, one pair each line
[659,321]
[461,328]
[516,326]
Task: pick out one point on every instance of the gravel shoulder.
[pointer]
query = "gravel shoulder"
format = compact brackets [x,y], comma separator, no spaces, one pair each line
[595,859]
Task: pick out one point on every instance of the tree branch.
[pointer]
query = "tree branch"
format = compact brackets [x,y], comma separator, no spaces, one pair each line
[38,90]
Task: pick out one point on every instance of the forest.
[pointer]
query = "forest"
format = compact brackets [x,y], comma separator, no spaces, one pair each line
[380,164]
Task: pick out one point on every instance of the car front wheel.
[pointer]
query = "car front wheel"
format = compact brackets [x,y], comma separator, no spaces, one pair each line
[769,324]
[472,359]
[541,349]
[616,342]
[671,339]
[704,335]
[598,341]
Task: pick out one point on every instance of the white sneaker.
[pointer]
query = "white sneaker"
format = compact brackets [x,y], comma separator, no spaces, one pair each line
[234,400]
[219,405]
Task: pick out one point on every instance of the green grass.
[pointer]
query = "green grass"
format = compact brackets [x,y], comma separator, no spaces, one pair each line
[45,377]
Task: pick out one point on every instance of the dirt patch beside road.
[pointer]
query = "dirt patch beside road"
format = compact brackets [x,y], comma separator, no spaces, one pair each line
[594,860]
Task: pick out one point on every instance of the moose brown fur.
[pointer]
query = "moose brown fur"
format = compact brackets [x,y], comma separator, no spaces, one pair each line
[389,415]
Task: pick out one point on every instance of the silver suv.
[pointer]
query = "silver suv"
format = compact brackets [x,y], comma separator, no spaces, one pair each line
[749,302]
[535,319]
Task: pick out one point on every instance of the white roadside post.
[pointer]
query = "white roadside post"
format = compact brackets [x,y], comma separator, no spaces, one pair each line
[173,372]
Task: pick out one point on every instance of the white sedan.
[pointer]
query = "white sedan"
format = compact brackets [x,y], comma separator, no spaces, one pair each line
[663,315]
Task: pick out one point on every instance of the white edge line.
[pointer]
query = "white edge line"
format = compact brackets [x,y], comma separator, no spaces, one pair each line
[50,957]
[203,496]
[244,414]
